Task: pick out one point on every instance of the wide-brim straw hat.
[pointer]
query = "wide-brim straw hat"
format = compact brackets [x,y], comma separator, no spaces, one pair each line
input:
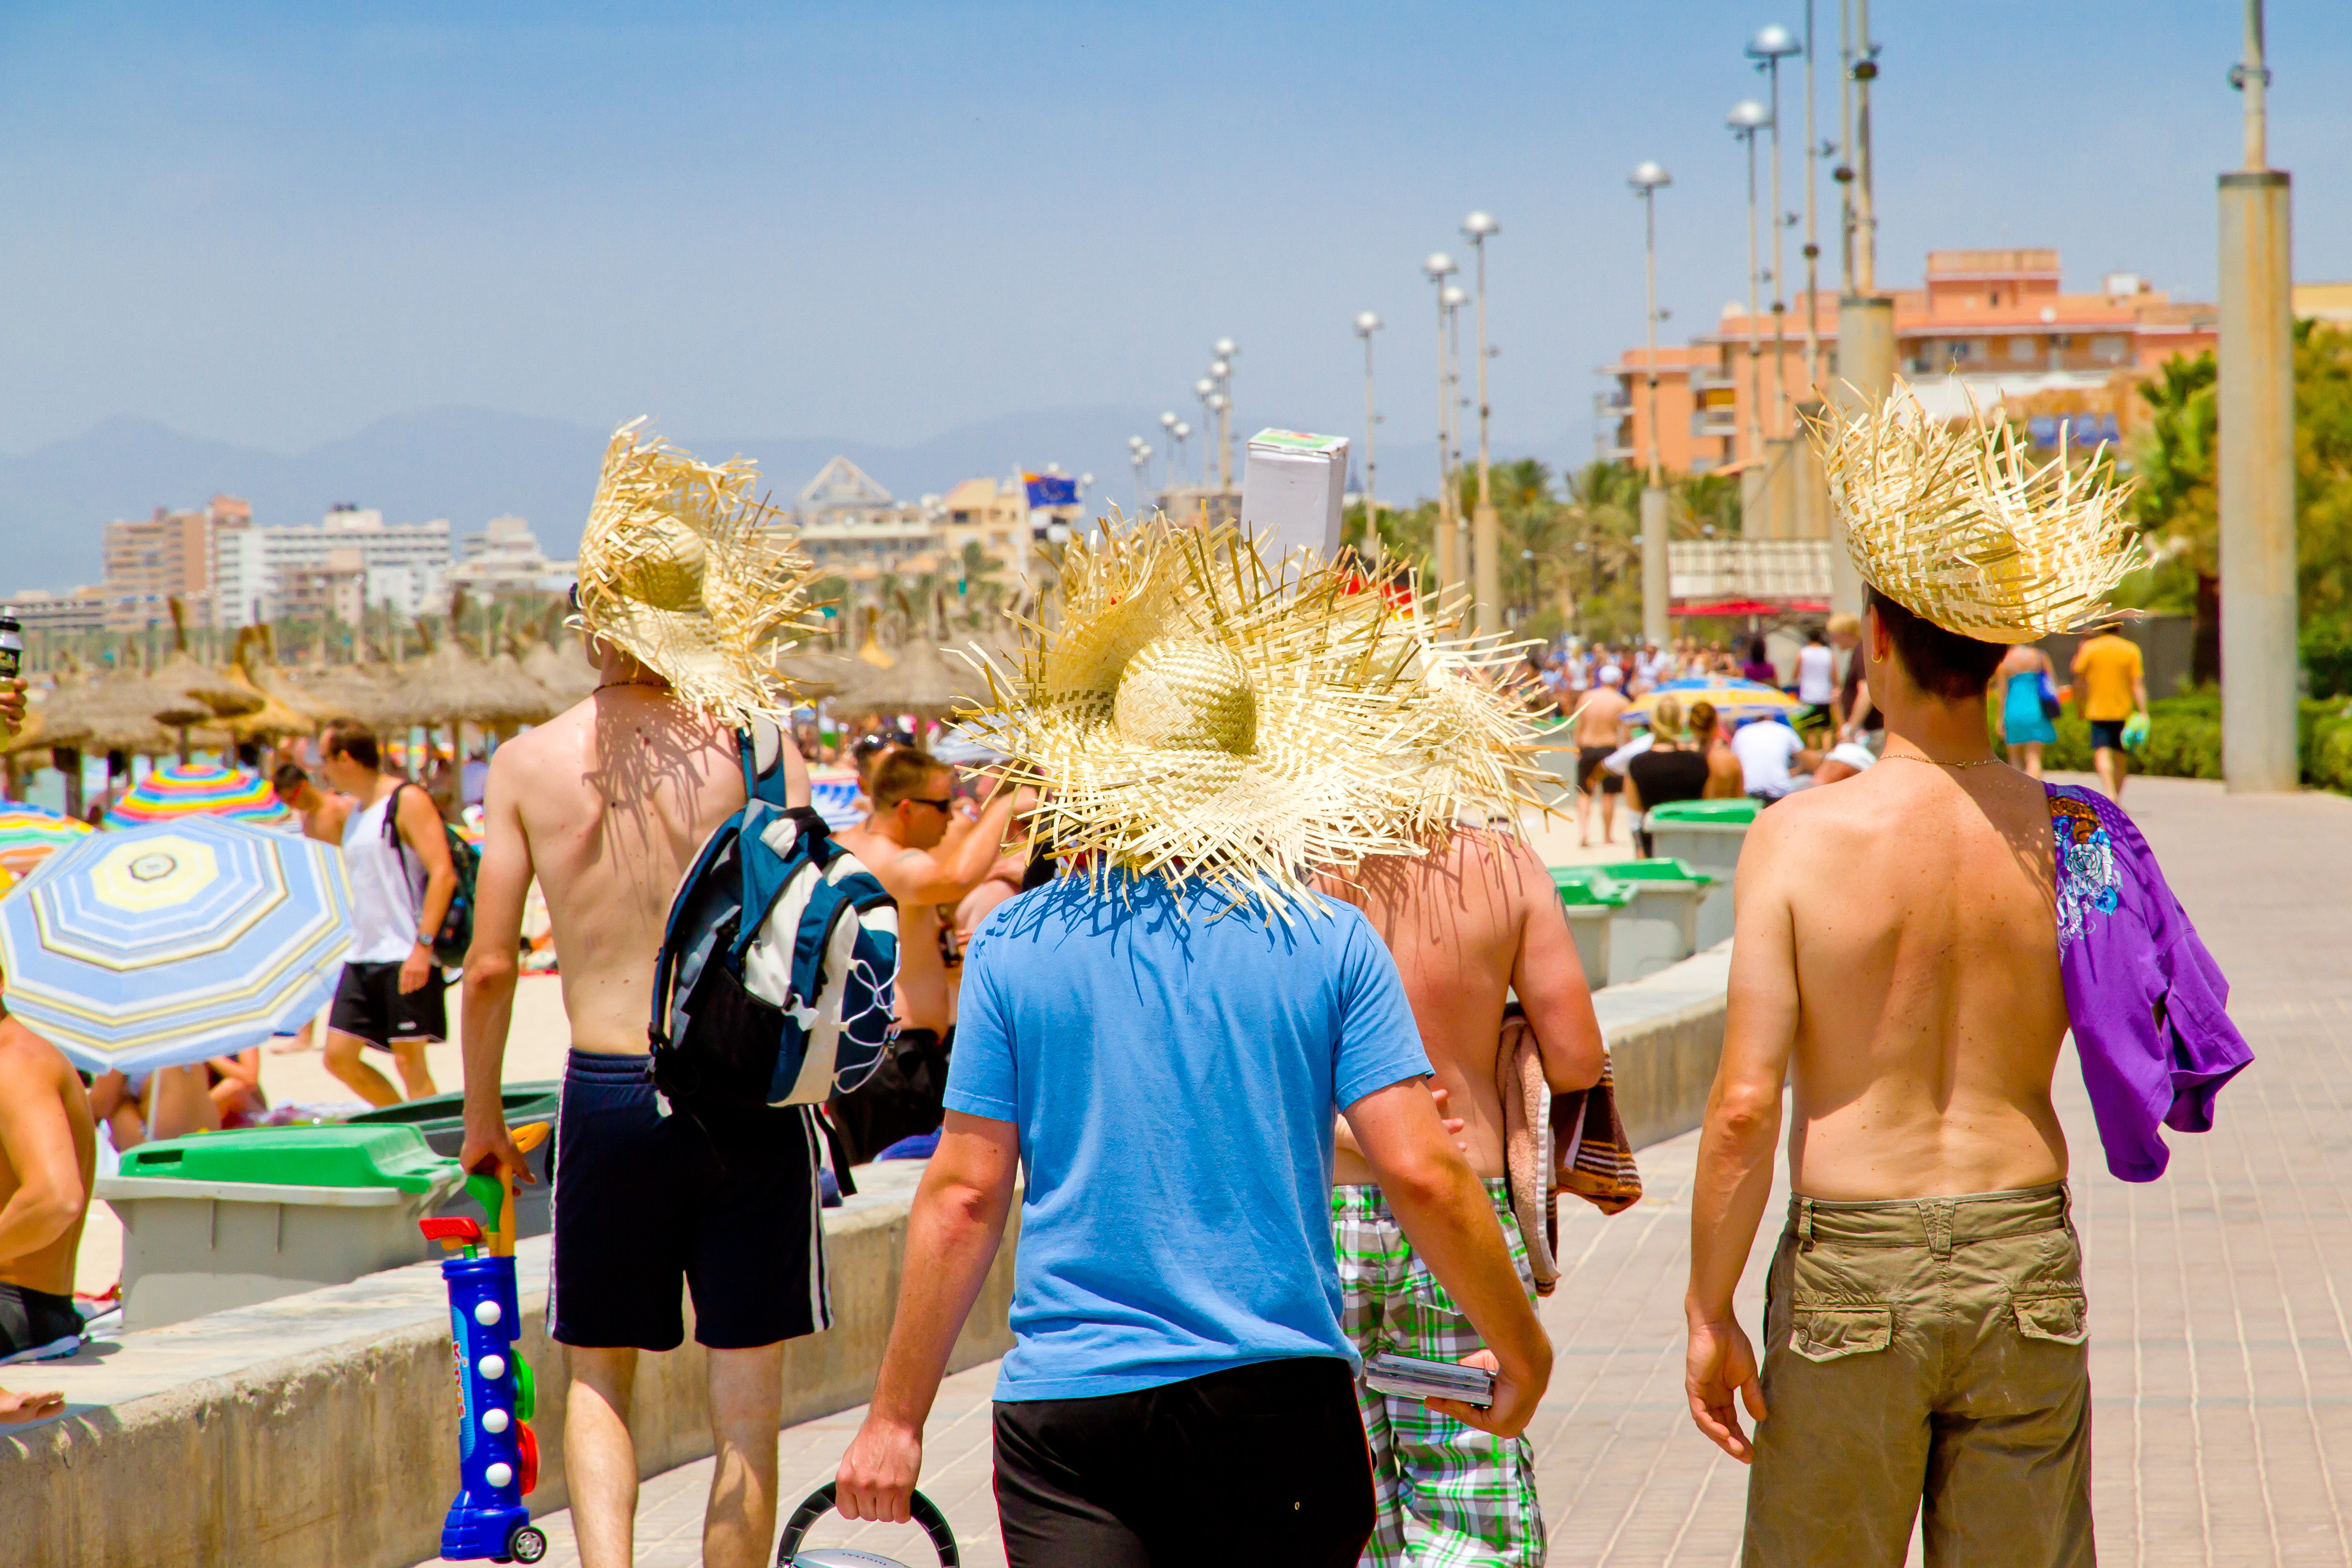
[1190,714]
[1956,523]
[699,581]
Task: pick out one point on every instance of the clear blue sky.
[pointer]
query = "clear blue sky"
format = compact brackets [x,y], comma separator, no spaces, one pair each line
[274,223]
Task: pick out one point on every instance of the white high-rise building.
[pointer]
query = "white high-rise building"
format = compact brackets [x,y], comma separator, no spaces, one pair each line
[262,573]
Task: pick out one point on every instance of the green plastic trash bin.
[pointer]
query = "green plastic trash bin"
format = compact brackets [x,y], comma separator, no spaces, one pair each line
[1659,924]
[1560,760]
[442,1119]
[1706,835]
[227,1219]
[1590,900]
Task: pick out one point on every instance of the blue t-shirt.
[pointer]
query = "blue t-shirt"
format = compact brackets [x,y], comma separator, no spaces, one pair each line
[1173,1079]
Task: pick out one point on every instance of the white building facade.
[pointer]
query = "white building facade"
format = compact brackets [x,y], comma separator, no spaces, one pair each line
[260,575]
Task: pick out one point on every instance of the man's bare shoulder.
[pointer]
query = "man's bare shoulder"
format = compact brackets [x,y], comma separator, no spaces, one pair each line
[29,1064]
[1829,819]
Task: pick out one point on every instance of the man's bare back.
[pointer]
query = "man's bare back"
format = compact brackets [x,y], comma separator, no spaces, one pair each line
[1600,718]
[607,803]
[46,1131]
[1913,906]
[1466,925]
[925,995]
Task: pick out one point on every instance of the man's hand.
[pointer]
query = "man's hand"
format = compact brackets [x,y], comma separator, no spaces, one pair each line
[1720,1363]
[12,705]
[1515,1400]
[415,969]
[30,1406]
[488,1140]
[878,1475]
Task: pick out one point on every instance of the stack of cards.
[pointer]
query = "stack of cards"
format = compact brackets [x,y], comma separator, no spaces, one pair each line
[1410,1377]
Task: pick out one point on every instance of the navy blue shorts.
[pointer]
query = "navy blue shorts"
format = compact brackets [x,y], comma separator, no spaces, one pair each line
[724,1199]
[2107,734]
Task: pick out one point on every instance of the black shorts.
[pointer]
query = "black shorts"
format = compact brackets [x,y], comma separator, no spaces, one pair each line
[369,1003]
[1587,764]
[30,1318]
[2107,734]
[906,1097]
[722,1197]
[1263,1464]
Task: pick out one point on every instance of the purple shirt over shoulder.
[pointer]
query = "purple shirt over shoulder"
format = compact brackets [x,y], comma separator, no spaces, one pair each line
[2146,1000]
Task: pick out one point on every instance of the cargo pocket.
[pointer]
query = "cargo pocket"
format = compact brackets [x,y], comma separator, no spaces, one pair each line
[2061,1317]
[1828,1334]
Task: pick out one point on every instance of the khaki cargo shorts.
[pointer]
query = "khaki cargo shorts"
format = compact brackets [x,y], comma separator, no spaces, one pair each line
[1925,1359]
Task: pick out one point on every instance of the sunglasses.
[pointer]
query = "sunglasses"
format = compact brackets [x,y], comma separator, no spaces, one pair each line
[943,804]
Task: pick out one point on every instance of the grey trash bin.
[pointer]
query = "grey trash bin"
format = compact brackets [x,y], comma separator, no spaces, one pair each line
[1659,924]
[1706,836]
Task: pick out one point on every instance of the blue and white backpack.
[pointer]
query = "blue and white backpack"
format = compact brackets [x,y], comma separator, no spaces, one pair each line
[777,966]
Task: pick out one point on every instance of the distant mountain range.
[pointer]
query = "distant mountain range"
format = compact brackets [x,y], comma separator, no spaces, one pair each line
[470,465]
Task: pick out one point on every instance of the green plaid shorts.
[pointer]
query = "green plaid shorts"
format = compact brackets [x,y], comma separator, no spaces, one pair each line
[1445,1494]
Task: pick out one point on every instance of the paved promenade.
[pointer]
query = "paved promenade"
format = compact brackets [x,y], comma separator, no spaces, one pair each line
[2221,1296]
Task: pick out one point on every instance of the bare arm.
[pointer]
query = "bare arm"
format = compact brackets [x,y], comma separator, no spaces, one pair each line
[421,829]
[1549,979]
[953,1236]
[943,875]
[39,1141]
[1445,1213]
[486,1008]
[1738,1139]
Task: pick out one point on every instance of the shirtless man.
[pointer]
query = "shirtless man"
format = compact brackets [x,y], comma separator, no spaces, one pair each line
[1466,925]
[322,815]
[607,804]
[1599,730]
[929,857]
[1896,965]
[48,1157]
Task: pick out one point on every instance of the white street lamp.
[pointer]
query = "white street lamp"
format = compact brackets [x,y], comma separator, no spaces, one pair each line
[1647,180]
[1222,370]
[1437,269]
[1367,323]
[1168,423]
[1487,568]
[1767,48]
[1746,119]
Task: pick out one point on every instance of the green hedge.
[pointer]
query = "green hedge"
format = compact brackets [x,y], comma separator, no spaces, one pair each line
[2184,741]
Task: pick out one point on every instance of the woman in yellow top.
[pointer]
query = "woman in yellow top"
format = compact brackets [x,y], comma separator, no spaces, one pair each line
[2110,687]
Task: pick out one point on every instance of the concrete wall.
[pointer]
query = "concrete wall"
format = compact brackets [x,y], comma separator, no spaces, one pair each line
[1665,1036]
[318,1429]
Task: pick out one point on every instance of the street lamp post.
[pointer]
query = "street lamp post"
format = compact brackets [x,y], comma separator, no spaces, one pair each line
[1183,434]
[1484,529]
[2256,396]
[1175,447]
[1767,48]
[1222,370]
[1746,119]
[1814,152]
[1202,389]
[1647,180]
[1139,453]
[1366,325]
[1866,341]
[1438,269]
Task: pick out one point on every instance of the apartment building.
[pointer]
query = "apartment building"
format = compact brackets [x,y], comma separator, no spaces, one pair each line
[1986,327]
[74,610]
[348,560]
[170,555]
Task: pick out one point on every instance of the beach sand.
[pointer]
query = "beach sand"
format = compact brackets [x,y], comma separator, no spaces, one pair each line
[536,1047]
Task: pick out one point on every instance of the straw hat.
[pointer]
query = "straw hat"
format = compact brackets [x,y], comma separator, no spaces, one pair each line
[697,579]
[1956,523]
[1190,714]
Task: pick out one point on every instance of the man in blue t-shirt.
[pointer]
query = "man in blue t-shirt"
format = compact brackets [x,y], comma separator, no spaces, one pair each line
[1162,1065]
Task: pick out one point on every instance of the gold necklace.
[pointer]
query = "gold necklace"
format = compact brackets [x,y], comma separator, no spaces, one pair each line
[609,684]
[1907,757]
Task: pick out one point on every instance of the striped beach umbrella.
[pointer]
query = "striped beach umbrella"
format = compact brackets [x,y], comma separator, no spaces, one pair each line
[1737,700]
[175,942]
[28,833]
[200,789]
[833,792]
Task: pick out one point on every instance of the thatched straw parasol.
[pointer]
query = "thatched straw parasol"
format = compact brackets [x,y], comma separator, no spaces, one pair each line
[42,731]
[116,713]
[815,674]
[450,686]
[924,681]
[362,693]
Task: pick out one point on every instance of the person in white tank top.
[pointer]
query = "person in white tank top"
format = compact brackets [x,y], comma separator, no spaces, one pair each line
[390,994]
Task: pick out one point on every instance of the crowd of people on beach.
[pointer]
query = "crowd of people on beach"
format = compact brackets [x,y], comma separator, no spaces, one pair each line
[1235,974]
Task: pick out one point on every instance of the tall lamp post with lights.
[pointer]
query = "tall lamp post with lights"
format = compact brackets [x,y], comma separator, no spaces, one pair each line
[1767,48]
[1221,371]
[1485,530]
[1647,180]
[1139,453]
[1746,119]
[1366,325]
[1437,269]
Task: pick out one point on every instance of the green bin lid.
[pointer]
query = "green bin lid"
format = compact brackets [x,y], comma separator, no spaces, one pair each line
[1737,813]
[1588,885]
[1664,869]
[451,1107]
[296,1157]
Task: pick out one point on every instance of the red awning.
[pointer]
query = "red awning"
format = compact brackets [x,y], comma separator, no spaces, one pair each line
[1735,607]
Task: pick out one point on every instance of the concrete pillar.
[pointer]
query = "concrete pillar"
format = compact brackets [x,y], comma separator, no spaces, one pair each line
[1780,486]
[1812,511]
[1656,626]
[2256,394]
[1486,564]
[1865,374]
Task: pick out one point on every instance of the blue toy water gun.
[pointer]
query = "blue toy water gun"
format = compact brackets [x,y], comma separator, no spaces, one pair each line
[498,1456]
